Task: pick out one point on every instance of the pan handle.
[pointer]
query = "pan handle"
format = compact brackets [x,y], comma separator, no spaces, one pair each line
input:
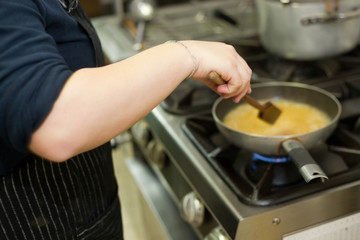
[307,166]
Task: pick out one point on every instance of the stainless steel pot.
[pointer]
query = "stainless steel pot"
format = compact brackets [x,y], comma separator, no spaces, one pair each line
[294,145]
[305,30]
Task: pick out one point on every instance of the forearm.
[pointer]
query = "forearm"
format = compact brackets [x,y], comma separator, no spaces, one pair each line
[100,103]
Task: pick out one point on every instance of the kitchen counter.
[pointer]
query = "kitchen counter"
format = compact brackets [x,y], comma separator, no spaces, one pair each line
[226,20]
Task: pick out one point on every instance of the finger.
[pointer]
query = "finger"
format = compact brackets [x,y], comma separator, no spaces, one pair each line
[237,99]
[239,85]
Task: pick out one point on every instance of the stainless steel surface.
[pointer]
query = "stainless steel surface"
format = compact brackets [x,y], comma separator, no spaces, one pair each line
[170,175]
[312,171]
[138,45]
[283,32]
[116,40]
[166,128]
[343,228]
[142,11]
[119,9]
[195,20]
[242,221]
[159,201]
[302,214]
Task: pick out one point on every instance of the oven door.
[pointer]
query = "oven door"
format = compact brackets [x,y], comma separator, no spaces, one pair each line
[157,205]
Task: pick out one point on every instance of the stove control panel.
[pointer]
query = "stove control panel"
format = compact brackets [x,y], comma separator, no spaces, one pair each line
[192,208]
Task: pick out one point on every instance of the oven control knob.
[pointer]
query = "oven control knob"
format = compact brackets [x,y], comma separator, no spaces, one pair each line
[192,209]
[157,154]
[141,133]
[217,233]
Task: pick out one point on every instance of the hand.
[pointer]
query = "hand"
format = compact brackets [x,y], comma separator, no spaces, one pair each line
[226,62]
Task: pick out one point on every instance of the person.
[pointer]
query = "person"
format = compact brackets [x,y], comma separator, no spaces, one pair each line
[60,105]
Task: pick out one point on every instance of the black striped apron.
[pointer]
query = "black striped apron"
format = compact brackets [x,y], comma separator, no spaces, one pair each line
[76,199]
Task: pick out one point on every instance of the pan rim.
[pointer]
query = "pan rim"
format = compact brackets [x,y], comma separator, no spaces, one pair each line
[332,122]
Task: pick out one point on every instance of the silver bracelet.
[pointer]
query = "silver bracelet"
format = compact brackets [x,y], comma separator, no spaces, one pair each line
[192,56]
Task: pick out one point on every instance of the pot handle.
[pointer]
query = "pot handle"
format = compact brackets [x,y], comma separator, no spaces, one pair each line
[336,17]
[306,165]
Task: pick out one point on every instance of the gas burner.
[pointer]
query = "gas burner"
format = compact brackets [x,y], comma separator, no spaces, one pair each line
[276,171]
[309,72]
[189,97]
[286,70]
[270,159]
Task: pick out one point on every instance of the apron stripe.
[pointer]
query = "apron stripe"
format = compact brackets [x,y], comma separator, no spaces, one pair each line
[1,225]
[13,212]
[54,186]
[21,206]
[86,191]
[29,205]
[46,201]
[36,200]
[11,225]
[97,180]
[91,187]
[74,193]
[66,191]
[58,192]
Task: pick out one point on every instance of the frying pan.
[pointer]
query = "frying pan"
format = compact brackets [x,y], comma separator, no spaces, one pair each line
[297,145]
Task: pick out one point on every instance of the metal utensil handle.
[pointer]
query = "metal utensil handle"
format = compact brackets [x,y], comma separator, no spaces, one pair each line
[138,45]
[307,166]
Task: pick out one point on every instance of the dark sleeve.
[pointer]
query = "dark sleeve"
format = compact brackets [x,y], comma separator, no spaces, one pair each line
[32,72]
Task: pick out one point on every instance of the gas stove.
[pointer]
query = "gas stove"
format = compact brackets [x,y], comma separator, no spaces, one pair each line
[249,196]
[225,192]
[260,180]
